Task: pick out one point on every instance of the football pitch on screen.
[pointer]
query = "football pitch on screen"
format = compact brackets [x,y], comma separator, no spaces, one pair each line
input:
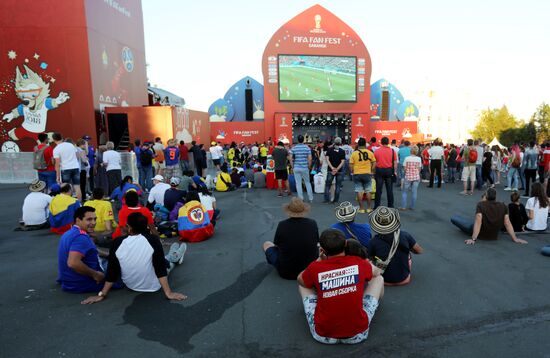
[300,83]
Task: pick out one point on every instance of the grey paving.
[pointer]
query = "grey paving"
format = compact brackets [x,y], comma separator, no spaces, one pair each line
[487,300]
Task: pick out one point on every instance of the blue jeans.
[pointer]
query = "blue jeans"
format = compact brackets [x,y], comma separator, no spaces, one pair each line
[383,177]
[330,177]
[346,171]
[145,177]
[49,177]
[184,165]
[413,186]
[521,174]
[452,174]
[479,178]
[466,225]
[513,177]
[300,174]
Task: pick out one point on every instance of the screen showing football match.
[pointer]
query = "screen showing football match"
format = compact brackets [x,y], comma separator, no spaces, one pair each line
[317,78]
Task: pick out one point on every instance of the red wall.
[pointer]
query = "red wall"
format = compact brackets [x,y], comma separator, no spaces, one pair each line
[339,40]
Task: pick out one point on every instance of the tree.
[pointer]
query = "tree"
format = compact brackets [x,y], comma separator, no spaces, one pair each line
[524,134]
[492,122]
[541,121]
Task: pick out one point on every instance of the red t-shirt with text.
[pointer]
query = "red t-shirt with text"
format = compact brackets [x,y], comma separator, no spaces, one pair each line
[340,284]
[123,217]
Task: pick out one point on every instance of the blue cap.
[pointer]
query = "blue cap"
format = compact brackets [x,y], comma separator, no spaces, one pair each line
[56,188]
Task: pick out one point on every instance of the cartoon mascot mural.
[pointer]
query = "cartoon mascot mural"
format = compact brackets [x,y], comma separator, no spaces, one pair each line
[34,93]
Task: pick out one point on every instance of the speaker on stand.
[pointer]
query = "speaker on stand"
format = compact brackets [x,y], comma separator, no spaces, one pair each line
[248,104]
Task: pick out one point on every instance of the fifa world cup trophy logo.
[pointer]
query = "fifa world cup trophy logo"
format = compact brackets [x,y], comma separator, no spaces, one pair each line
[317,21]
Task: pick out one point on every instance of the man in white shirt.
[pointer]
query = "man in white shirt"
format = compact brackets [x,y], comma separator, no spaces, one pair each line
[113,166]
[35,208]
[138,260]
[216,151]
[436,161]
[67,167]
[156,195]
[254,151]
[479,161]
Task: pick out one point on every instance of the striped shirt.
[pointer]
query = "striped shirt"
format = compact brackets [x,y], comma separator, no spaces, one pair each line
[301,152]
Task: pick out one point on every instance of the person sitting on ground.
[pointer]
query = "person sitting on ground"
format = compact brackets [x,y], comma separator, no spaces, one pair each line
[132,205]
[193,221]
[338,303]
[249,173]
[138,260]
[295,244]
[35,208]
[385,222]
[345,213]
[280,157]
[105,221]
[209,202]
[173,195]
[156,195]
[126,184]
[537,209]
[259,177]
[517,213]
[223,181]
[235,178]
[186,182]
[62,209]
[355,248]
[491,217]
[78,263]
[198,180]
[244,181]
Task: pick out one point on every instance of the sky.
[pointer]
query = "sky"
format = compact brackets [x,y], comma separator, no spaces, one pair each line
[484,52]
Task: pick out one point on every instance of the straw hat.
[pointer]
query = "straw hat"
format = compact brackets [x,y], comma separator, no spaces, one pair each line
[296,208]
[37,185]
[345,212]
[384,220]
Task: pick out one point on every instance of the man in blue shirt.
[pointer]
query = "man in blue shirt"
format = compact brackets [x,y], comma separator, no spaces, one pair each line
[78,263]
[345,213]
[403,153]
[300,160]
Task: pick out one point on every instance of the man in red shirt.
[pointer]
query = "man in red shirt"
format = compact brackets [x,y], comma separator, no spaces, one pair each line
[337,302]
[47,174]
[184,157]
[386,163]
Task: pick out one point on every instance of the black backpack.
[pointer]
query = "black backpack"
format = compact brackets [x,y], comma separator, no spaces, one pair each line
[146,157]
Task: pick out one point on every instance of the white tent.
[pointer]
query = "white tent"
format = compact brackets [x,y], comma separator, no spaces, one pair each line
[496,142]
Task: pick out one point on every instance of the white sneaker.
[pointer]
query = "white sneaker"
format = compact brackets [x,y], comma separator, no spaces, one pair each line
[181,252]
[173,255]
[507,189]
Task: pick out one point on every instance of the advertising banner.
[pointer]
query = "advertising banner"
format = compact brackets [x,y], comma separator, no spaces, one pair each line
[283,127]
[227,132]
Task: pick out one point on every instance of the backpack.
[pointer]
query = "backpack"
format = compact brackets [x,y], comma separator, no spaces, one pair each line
[38,159]
[516,163]
[472,156]
[146,157]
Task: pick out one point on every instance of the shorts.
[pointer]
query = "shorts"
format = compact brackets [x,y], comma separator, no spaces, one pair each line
[469,171]
[370,304]
[22,133]
[363,183]
[159,165]
[272,256]
[216,161]
[281,174]
[71,176]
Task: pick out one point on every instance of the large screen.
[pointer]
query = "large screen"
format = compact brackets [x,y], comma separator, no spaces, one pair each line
[317,78]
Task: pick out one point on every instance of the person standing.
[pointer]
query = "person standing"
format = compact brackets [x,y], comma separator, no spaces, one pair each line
[530,158]
[197,157]
[486,168]
[216,151]
[146,166]
[82,154]
[469,155]
[336,157]
[479,164]
[158,149]
[451,164]
[263,154]
[300,159]
[413,167]
[43,161]
[91,161]
[184,157]
[362,163]
[436,159]
[514,166]
[385,171]
[403,153]
[346,171]
[67,166]
[280,156]
[172,157]
[112,163]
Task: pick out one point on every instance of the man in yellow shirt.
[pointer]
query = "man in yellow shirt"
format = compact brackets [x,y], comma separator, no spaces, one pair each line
[263,154]
[223,181]
[362,164]
[105,219]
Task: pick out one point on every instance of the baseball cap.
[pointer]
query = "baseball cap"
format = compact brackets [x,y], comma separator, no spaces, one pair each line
[175,181]
[86,137]
[213,143]
[158,177]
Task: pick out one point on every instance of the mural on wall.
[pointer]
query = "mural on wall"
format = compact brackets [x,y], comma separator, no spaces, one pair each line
[407,111]
[232,107]
[30,89]
[396,98]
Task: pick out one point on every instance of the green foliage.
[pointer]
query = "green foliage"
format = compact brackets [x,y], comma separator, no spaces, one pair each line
[525,134]
[492,122]
[541,121]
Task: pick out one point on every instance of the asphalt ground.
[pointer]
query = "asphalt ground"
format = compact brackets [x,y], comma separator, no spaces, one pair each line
[491,299]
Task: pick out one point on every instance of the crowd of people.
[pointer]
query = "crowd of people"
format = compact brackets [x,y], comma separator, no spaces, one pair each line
[112,226]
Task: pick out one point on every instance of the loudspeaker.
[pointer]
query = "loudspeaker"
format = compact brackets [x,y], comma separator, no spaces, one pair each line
[248,104]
